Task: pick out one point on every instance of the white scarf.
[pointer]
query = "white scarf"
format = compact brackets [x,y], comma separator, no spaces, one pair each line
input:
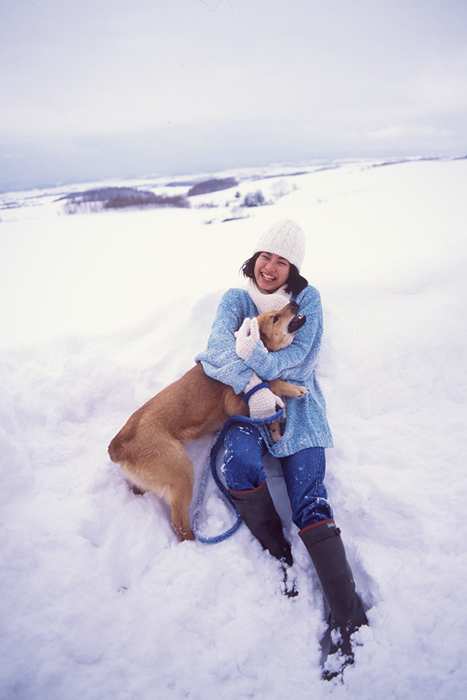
[268,302]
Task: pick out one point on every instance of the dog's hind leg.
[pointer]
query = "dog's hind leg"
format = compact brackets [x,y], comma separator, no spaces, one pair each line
[179,500]
[180,488]
[169,474]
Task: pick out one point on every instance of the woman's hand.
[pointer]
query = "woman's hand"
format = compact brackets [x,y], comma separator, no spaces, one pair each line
[263,403]
[247,338]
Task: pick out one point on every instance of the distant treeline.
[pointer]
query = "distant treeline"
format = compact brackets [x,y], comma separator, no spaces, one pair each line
[101,198]
[119,198]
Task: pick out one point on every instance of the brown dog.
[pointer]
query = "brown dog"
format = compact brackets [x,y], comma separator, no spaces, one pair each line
[150,448]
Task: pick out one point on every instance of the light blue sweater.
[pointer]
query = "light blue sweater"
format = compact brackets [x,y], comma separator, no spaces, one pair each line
[306,424]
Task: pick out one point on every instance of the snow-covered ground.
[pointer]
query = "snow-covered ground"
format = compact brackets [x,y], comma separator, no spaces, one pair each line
[100,311]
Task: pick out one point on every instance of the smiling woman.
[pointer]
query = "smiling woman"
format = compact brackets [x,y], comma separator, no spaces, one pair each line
[236,356]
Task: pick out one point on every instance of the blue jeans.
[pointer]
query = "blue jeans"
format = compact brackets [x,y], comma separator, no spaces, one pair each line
[303,473]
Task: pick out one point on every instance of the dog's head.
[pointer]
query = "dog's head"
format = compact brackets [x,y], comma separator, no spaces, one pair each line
[277,328]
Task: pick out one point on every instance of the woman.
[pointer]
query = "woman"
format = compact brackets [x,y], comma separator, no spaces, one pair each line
[236,356]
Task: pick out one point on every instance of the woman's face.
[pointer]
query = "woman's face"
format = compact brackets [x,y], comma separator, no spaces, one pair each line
[271,271]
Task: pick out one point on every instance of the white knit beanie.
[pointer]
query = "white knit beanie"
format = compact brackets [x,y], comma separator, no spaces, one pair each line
[284,238]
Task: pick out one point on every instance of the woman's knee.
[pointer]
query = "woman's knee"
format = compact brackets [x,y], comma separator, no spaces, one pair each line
[243,464]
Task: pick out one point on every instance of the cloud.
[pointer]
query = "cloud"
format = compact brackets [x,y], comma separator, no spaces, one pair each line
[223,83]
[404,132]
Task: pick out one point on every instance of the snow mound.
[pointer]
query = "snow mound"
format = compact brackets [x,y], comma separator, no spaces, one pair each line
[98,597]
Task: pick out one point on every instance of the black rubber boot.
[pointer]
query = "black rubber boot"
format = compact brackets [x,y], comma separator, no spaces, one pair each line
[260,516]
[324,544]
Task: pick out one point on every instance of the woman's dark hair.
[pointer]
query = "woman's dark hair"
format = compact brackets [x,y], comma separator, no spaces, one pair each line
[295,282]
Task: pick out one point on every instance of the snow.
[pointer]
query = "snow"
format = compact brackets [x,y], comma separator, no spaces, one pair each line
[99,312]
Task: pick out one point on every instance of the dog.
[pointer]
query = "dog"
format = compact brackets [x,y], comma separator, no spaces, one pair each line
[150,446]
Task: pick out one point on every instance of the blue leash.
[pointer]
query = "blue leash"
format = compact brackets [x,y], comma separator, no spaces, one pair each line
[211,465]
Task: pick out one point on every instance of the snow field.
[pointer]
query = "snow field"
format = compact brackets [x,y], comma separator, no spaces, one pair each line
[100,312]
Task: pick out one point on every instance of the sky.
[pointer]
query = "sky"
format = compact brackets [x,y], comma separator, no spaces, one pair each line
[107,88]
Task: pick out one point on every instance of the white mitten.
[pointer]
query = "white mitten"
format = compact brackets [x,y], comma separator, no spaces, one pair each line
[247,337]
[263,403]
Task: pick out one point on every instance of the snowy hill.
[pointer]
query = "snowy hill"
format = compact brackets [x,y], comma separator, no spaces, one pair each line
[99,312]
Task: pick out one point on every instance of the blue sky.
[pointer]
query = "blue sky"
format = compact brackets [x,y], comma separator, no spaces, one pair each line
[103,88]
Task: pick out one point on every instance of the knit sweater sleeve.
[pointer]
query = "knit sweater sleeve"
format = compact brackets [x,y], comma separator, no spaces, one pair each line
[219,360]
[302,353]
